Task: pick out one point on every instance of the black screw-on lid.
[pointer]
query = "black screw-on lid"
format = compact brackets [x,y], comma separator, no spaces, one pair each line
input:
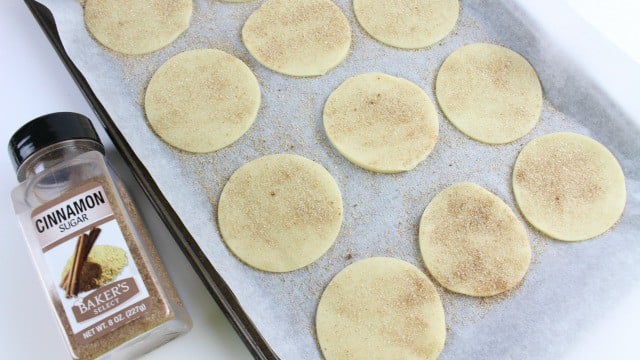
[48,130]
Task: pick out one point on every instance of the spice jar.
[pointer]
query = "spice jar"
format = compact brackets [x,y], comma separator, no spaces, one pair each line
[110,292]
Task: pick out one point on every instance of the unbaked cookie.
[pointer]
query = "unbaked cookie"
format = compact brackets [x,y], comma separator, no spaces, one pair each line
[569,186]
[407,24]
[472,243]
[280,212]
[202,100]
[490,93]
[137,27]
[381,123]
[380,308]
[298,37]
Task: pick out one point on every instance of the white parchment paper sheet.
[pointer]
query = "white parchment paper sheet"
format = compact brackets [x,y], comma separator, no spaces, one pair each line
[568,286]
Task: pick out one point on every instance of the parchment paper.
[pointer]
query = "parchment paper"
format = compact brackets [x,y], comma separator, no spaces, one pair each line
[569,285]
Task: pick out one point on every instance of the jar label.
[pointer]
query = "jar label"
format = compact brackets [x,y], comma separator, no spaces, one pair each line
[97,281]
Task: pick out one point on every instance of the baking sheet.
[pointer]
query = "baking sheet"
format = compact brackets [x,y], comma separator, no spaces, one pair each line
[568,285]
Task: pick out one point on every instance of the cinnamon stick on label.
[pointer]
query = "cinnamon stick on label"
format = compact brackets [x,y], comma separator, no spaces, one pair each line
[75,279]
[92,237]
[76,259]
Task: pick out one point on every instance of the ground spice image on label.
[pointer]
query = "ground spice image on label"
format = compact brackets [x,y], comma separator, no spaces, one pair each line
[104,263]
[71,281]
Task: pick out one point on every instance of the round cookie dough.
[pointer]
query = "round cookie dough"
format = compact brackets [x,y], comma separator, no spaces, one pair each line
[407,24]
[137,27]
[381,123]
[298,37]
[380,308]
[490,93]
[202,100]
[472,243]
[569,186]
[280,212]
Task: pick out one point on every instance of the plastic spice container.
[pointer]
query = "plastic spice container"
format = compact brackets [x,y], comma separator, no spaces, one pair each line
[107,286]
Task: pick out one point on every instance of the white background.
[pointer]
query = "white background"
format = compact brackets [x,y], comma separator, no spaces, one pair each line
[34,82]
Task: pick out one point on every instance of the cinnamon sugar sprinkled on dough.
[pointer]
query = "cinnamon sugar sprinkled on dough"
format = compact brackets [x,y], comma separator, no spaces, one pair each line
[490,93]
[280,212]
[472,243]
[381,123]
[202,100]
[569,186]
[407,24]
[298,37]
[380,308]
[137,26]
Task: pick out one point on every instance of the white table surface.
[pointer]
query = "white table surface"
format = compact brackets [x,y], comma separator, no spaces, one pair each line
[34,82]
